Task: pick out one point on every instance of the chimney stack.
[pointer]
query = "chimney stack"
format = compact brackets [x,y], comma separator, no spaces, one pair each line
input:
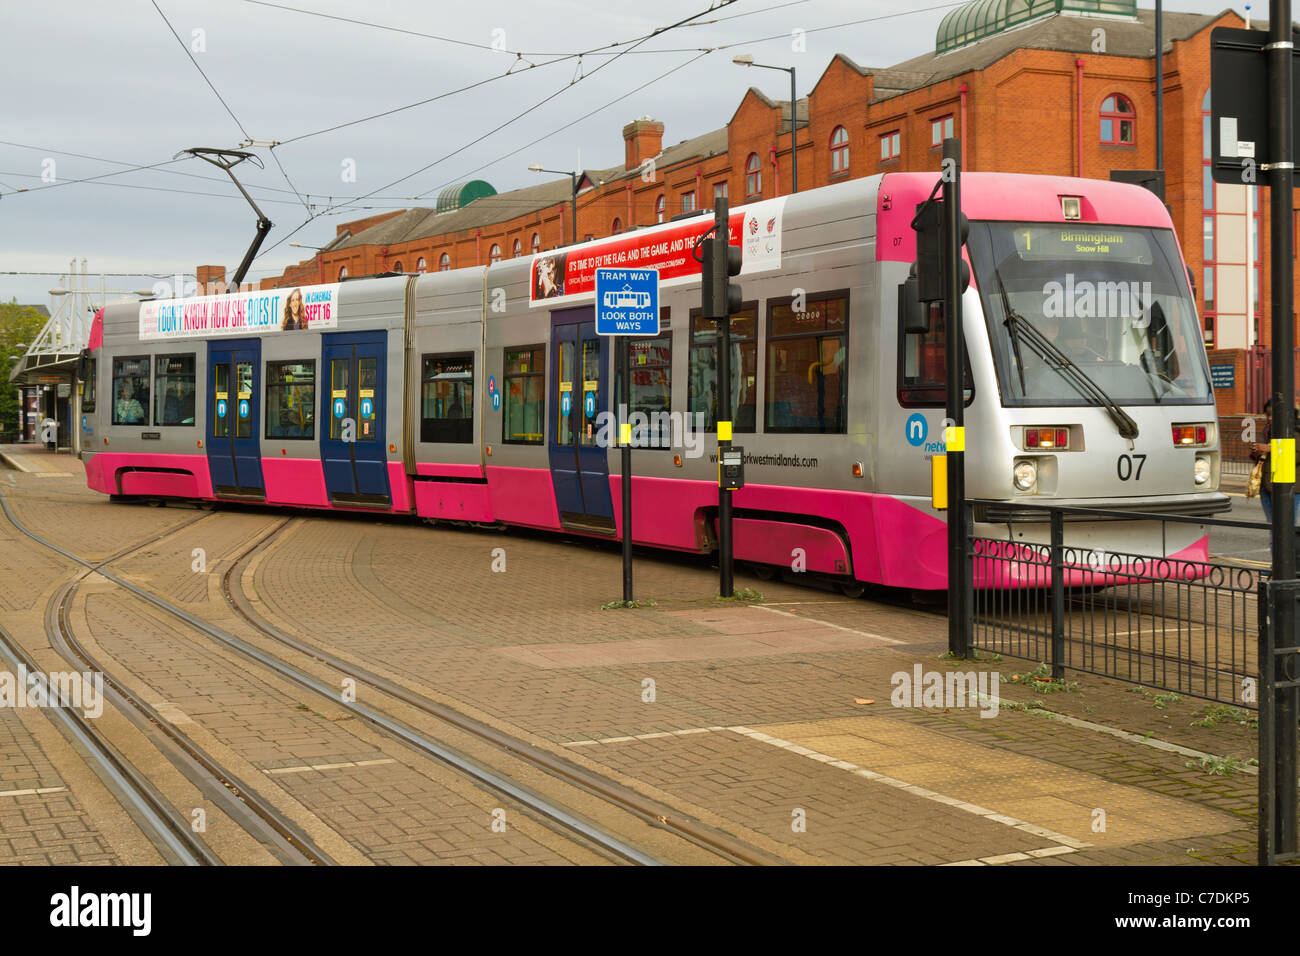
[643,139]
[208,276]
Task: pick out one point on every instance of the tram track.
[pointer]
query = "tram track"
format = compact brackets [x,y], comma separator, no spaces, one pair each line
[241,802]
[656,814]
[557,817]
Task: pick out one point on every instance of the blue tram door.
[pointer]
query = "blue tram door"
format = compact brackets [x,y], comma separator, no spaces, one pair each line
[234,411]
[352,448]
[579,466]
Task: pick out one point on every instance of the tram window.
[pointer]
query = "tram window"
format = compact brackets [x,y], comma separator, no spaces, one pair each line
[807,365]
[130,390]
[702,386]
[243,393]
[173,392]
[922,375]
[291,400]
[340,388]
[367,413]
[221,400]
[447,399]
[650,361]
[88,389]
[525,395]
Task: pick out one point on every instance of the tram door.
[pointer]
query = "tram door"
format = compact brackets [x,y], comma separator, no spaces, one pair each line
[579,466]
[234,411]
[353,452]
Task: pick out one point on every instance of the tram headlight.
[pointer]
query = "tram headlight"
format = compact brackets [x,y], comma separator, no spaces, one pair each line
[1201,470]
[1025,475]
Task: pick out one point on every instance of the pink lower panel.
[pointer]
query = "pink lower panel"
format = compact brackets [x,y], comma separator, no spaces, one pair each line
[399,487]
[453,500]
[442,470]
[912,547]
[295,481]
[107,472]
[775,542]
[666,512]
[523,496]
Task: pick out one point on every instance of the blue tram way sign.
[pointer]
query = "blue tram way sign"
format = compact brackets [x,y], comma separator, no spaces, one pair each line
[627,301]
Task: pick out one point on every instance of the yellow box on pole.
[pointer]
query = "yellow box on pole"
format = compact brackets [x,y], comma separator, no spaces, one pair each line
[939,482]
[954,438]
[625,434]
[1281,455]
[724,431]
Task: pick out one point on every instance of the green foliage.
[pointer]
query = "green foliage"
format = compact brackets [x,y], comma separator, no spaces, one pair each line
[1158,701]
[742,594]
[1215,714]
[610,606]
[19,325]
[1040,681]
[1220,766]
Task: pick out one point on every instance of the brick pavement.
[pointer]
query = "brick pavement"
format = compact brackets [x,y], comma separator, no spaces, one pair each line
[754,714]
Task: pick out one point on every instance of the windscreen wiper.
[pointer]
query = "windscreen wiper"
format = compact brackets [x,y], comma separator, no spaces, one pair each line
[1011,329]
[1018,326]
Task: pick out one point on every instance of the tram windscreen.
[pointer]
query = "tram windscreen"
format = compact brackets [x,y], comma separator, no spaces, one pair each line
[1114,299]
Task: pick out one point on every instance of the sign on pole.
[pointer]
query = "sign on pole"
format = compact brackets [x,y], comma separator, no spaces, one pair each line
[627,301]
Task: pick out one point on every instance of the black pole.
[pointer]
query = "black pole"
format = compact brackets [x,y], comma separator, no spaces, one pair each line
[1160,86]
[573,211]
[715,282]
[794,124]
[959,627]
[1281,179]
[626,439]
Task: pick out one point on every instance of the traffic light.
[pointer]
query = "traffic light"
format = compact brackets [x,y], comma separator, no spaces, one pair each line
[721,262]
[930,250]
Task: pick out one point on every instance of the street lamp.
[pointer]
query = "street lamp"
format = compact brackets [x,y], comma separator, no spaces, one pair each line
[320,263]
[147,293]
[744,59]
[537,168]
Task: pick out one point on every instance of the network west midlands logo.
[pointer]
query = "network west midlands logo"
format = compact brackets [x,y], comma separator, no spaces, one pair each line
[916,430]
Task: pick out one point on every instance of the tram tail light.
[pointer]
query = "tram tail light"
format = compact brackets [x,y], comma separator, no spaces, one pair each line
[1190,435]
[1047,437]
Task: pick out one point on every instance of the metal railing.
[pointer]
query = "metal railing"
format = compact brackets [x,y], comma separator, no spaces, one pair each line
[1186,623]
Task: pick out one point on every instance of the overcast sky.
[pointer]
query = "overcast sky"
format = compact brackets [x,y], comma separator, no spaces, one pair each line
[108,79]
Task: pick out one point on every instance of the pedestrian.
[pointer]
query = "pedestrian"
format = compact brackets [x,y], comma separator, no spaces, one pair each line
[1260,452]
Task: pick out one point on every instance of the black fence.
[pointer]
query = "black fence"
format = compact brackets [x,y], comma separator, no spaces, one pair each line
[1234,450]
[1186,624]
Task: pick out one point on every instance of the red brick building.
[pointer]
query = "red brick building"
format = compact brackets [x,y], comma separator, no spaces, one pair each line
[1064,87]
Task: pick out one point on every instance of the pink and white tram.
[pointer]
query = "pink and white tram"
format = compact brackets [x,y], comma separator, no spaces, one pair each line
[483,395]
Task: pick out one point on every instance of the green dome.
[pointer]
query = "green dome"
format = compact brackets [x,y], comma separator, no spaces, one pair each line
[984,18]
[462,194]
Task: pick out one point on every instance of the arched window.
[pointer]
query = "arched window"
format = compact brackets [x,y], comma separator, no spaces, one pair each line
[617,227]
[397,266]
[537,243]
[444,263]
[659,209]
[343,273]
[516,249]
[1118,121]
[420,265]
[840,150]
[753,176]
[494,254]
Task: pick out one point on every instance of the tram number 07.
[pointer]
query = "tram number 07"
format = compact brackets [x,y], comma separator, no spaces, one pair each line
[1124,467]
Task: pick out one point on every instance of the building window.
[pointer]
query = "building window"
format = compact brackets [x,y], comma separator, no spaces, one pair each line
[891,146]
[753,176]
[516,249]
[291,400]
[617,227]
[940,129]
[88,389]
[447,399]
[702,393]
[130,390]
[719,191]
[1117,121]
[494,254]
[525,395]
[537,244]
[397,266]
[839,150]
[444,262]
[651,363]
[688,201]
[659,209]
[420,265]
[174,390]
[807,358]
[343,273]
